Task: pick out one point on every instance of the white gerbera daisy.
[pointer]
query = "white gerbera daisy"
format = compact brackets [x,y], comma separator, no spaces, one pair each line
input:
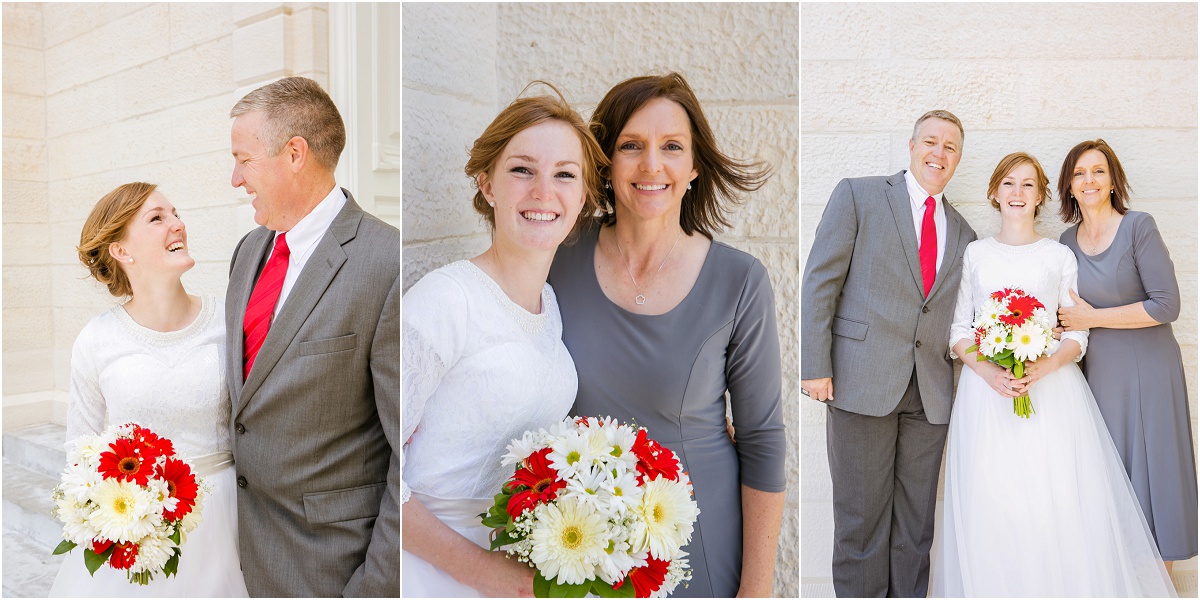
[587,486]
[622,493]
[1029,341]
[994,341]
[618,449]
[568,541]
[989,314]
[570,453]
[669,513]
[124,511]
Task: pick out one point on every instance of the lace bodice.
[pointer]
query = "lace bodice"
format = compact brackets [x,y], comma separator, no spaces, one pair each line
[173,383]
[1044,269]
[478,371]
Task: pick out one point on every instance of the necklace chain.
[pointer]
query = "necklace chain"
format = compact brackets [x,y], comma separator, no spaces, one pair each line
[640,298]
[1095,240]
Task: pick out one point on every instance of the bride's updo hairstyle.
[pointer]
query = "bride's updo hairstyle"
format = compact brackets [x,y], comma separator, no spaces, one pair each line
[520,115]
[1010,162]
[721,179]
[106,225]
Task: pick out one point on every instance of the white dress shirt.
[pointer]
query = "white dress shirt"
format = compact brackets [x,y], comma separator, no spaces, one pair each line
[302,239]
[916,198]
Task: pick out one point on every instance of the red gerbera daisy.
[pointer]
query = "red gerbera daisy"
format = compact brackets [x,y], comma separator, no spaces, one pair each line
[181,483]
[126,462]
[1020,308]
[540,480]
[154,446]
[123,556]
[646,580]
[653,459]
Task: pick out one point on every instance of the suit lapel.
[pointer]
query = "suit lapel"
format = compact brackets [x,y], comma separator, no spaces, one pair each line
[326,260]
[897,195]
[242,280]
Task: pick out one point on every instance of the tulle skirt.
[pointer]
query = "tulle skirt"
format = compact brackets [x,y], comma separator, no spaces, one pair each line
[1039,506]
[421,579]
[209,564]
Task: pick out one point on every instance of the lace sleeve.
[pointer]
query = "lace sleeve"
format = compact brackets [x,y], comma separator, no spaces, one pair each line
[964,307]
[85,402]
[1070,281]
[434,333]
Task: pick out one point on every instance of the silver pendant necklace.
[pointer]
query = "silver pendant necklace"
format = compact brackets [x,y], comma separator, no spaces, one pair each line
[640,298]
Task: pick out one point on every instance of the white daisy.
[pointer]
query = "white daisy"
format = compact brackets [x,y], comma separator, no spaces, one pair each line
[124,511]
[989,314]
[622,493]
[570,453]
[520,449]
[669,513]
[617,561]
[994,341]
[568,541]
[1029,341]
[619,447]
[588,487]
[78,481]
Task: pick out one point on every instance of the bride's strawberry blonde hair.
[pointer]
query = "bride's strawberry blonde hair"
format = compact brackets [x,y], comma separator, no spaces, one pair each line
[520,115]
[1010,162]
[106,225]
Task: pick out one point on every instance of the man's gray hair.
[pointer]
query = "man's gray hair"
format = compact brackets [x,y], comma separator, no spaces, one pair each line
[944,115]
[297,106]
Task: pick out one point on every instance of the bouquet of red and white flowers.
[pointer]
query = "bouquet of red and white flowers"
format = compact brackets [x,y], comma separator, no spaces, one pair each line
[596,506]
[1012,327]
[129,501]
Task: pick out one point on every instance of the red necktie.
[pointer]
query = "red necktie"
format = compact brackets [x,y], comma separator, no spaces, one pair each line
[262,301]
[928,250]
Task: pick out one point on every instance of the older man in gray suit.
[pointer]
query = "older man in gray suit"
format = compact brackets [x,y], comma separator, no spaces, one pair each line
[876,305]
[313,366]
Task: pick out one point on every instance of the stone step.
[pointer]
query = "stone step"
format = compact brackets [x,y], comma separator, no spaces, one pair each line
[27,504]
[29,566]
[38,448]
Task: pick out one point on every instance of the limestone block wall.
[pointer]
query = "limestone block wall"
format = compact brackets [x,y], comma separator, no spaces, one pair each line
[464,62]
[1021,77]
[97,95]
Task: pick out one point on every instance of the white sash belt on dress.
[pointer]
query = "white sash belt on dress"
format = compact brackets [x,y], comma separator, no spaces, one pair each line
[211,464]
[455,512]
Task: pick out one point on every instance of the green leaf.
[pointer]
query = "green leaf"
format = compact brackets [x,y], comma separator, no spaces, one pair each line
[176,536]
[541,586]
[569,590]
[504,539]
[972,348]
[94,561]
[64,547]
[495,522]
[604,590]
[172,566]
[1018,369]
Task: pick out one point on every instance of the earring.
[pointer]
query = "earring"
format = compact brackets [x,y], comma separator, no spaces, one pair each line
[607,184]
[689,185]
[131,260]
[492,204]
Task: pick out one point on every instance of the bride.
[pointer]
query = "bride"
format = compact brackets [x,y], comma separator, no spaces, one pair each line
[1038,506]
[155,360]
[483,354]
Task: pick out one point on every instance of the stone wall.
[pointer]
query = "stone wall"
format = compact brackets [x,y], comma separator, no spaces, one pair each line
[1032,77]
[96,95]
[464,62]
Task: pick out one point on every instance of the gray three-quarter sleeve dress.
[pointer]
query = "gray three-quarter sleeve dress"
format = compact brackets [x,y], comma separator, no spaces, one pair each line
[670,372]
[1138,380]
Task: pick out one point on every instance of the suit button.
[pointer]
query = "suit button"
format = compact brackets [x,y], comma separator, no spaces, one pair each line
[239,428]
[241,482]
[918,343]
[924,310]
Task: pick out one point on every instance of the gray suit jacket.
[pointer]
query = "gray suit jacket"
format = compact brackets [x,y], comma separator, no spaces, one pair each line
[316,425]
[865,320]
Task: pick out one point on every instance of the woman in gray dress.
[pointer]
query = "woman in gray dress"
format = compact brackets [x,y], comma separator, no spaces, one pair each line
[662,321]
[1133,365]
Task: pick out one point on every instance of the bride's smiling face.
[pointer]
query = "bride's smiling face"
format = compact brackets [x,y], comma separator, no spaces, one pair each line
[156,240]
[1018,193]
[536,186]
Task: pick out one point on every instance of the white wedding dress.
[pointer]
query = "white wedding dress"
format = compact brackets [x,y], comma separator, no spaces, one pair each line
[174,384]
[1038,506]
[479,371]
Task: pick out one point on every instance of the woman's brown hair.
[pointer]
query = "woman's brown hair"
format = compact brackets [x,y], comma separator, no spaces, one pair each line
[1119,198]
[520,115]
[720,177]
[105,226]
